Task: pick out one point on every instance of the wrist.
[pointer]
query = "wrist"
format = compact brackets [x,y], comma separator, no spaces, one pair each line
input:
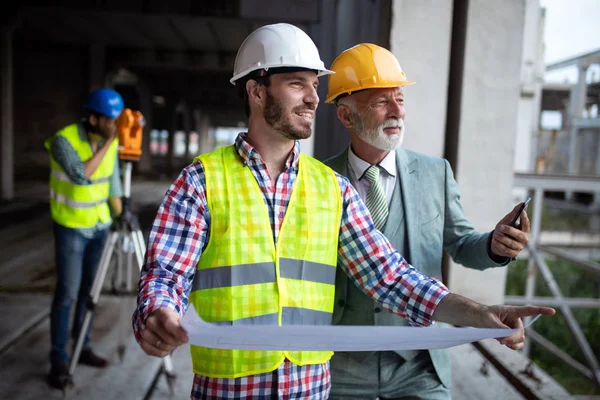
[461,311]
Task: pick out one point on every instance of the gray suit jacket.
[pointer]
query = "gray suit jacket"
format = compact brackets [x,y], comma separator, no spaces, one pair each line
[434,221]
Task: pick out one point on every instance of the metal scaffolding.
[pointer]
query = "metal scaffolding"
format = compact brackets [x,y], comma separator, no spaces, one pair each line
[537,263]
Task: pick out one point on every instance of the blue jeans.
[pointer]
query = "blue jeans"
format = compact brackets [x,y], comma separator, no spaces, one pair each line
[77,259]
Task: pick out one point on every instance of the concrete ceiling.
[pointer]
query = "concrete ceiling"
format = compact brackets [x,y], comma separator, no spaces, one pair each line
[178,26]
[179,46]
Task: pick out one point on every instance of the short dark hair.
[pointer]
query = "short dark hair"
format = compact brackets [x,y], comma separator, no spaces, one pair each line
[262,77]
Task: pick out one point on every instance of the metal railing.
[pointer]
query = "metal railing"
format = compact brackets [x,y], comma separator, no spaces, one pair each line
[537,263]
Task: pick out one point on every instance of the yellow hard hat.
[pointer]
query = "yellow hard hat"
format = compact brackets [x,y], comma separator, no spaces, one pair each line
[364,66]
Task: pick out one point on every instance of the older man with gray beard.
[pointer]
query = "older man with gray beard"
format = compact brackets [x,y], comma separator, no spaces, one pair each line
[415,201]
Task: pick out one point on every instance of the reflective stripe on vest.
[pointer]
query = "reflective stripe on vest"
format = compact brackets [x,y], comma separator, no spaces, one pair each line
[59,198]
[263,273]
[80,206]
[61,176]
[242,278]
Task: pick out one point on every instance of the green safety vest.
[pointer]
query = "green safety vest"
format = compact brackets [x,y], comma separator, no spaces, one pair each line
[80,206]
[243,278]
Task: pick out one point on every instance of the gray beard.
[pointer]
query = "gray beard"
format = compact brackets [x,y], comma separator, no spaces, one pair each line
[379,139]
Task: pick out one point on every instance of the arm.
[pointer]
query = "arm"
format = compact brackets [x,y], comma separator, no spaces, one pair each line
[116,190]
[461,311]
[368,258]
[462,242]
[90,166]
[177,238]
[68,159]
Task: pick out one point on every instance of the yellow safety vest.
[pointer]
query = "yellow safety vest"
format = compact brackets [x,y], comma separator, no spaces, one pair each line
[80,206]
[243,278]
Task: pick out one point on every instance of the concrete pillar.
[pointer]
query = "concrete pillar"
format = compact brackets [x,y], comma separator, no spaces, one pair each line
[202,124]
[532,71]
[486,136]
[145,97]
[7,99]
[576,106]
[420,39]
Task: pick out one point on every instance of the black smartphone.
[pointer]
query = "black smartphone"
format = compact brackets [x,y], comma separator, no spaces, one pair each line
[514,221]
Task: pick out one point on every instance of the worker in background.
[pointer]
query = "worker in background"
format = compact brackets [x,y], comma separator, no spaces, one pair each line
[85,187]
[415,201]
[251,234]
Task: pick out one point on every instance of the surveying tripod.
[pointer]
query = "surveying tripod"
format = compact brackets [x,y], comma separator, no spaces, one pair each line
[125,235]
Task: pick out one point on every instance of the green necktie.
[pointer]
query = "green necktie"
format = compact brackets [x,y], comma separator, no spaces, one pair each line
[376,202]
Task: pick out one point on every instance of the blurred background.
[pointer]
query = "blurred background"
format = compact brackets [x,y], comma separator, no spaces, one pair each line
[507,91]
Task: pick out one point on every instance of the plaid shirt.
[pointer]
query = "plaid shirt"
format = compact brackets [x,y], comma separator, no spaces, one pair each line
[181,231]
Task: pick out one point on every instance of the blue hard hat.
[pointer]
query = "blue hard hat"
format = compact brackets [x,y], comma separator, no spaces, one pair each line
[105,102]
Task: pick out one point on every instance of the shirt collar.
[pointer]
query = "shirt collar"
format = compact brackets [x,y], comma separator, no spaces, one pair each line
[359,166]
[250,156]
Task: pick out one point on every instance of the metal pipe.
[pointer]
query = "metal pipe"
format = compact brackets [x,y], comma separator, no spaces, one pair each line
[551,347]
[579,302]
[536,227]
[587,265]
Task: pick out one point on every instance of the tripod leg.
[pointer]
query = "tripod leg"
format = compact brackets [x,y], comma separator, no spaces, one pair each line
[169,373]
[94,295]
[140,249]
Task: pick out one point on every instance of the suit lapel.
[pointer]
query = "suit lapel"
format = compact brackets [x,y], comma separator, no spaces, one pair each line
[339,163]
[411,198]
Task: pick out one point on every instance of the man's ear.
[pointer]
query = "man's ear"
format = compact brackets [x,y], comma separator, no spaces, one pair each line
[93,119]
[344,115]
[255,94]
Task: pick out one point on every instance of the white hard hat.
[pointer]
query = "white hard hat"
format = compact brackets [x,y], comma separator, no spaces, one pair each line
[275,46]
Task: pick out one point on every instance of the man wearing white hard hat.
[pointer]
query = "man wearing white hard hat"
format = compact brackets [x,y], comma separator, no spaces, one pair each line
[251,234]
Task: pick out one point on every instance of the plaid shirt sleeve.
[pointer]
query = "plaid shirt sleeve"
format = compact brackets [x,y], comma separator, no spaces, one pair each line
[66,156]
[178,236]
[378,269]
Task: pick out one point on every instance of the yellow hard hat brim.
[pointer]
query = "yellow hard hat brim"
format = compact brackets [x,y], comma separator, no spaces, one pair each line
[384,85]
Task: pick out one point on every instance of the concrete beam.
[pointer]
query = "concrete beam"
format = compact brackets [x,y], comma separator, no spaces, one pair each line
[549,182]
[163,59]
[587,123]
[593,57]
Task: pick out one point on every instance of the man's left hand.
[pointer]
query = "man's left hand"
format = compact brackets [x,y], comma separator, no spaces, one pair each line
[508,241]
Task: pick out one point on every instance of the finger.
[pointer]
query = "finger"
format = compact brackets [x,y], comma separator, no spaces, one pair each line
[514,339]
[530,311]
[173,326]
[525,223]
[156,343]
[502,250]
[513,212]
[152,344]
[163,329]
[153,350]
[167,324]
[514,234]
[516,346]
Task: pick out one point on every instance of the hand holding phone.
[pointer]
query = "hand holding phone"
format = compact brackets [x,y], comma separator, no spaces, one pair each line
[518,214]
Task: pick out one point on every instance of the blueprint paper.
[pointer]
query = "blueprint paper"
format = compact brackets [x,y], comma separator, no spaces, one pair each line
[331,337]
